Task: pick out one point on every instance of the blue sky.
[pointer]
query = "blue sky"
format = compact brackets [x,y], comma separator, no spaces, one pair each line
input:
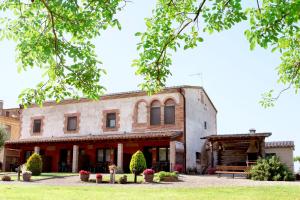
[233,76]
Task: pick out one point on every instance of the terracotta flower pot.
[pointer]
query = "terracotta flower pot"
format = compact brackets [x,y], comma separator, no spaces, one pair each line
[84,177]
[26,177]
[148,178]
[99,180]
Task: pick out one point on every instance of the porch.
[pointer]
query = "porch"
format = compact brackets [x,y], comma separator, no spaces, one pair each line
[236,149]
[96,153]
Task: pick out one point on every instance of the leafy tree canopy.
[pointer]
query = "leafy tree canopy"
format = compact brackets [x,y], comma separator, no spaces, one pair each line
[4,135]
[56,36]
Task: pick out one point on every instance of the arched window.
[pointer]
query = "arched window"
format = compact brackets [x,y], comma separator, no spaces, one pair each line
[155,113]
[169,112]
[141,112]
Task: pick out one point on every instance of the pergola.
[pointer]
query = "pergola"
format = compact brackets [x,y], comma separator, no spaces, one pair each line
[236,149]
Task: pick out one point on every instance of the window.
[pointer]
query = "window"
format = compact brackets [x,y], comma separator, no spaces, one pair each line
[111,120]
[37,124]
[72,123]
[270,155]
[100,155]
[198,156]
[205,125]
[104,155]
[169,112]
[155,113]
[163,154]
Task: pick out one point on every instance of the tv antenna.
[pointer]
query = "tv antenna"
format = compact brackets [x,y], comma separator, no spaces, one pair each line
[199,75]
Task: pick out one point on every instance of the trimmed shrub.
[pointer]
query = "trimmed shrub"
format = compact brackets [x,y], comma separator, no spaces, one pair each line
[122,180]
[6,178]
[271,170]
[166,176]
[35,164]
[137,162]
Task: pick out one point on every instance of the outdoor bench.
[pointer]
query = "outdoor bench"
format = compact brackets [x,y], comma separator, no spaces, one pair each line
[241,170]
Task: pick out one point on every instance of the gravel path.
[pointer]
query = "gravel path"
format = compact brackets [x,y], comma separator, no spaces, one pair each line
[185,181]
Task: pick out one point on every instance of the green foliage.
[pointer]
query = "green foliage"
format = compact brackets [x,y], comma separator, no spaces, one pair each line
[34,164]
[4,135]
[138,162]
[57,37]
[271,170]
[122,179]
[297,159]
[160,176]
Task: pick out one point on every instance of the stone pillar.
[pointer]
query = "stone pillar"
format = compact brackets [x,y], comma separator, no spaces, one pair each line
[120,156]
[172,155]
[37,150]
[4,159]
[75,158]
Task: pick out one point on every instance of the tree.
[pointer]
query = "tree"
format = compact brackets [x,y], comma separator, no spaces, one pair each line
[4,135]
[137,163]
[56,36]
[297,159]
[35,164]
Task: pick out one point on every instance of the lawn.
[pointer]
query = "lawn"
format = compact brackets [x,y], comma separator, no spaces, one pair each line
[39,192]
[14,176]
[130,178]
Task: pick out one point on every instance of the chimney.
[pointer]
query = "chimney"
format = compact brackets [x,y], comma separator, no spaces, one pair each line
[252,130]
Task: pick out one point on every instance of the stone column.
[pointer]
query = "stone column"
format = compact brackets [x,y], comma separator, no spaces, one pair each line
[37,150]
[4,159]
[262,148]
[120,156]
[75,158]
[172,155]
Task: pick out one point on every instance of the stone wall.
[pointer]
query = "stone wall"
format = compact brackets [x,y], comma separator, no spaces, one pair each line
[199,109]
[285,155]
[92,114]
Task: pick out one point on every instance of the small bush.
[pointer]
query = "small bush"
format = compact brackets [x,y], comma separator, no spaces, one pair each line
[35,164]
[138,162]
[166,176]
[122,180]
[6,178]
[271,170]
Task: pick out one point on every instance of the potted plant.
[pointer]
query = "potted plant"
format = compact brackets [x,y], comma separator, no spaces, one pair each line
[148,175]
[98,178]
[26,176]
[84,175]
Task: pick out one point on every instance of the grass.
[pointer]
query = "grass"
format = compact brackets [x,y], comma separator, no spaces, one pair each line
[38,192]
[14,176]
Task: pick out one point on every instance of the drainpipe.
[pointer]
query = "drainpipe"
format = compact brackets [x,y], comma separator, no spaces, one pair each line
[181,91]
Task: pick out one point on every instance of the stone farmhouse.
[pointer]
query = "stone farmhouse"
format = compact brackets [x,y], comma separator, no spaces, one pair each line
[175,129]
[86,134]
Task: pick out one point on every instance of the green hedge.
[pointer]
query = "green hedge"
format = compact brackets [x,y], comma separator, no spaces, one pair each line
[35,164]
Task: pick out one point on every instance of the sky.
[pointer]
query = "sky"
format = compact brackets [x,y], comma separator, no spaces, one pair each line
[233,76]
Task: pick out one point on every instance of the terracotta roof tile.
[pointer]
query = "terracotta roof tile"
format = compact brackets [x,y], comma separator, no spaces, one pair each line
[120,136]
[279,144]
